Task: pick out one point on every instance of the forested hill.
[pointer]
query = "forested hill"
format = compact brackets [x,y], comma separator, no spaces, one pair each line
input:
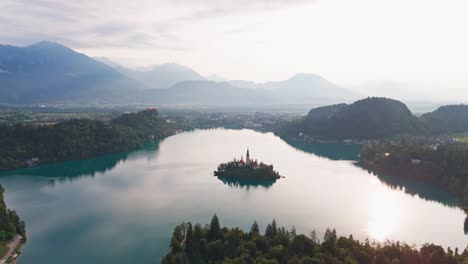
[447,119]
[77,139]
[444,166]
[215,244]
[10,223]
[370,118]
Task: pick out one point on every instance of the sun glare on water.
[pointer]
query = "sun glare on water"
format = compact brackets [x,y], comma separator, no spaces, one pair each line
[384,216]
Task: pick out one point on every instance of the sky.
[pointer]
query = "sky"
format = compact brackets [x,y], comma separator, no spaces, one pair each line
[412,47]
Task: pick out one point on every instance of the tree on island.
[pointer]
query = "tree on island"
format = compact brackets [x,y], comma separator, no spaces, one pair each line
[248,169]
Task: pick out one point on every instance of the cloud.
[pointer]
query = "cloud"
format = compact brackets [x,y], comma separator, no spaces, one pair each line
[130,24]
[418,42]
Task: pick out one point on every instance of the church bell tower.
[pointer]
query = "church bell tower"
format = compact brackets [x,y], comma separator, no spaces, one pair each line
[247,157]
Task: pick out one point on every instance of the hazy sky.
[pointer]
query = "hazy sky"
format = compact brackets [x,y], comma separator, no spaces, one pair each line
[422,44]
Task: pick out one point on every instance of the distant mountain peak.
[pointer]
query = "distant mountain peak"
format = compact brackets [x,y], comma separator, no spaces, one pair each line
[107,61]
[172,66]
[168,65]
[162,76]
[306,76]
[50,72]
[48,44]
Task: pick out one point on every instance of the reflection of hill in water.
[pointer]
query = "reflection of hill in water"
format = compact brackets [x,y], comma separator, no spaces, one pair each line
[466,224]
[339,151]
[85,167]
[333,151]
[424,190]
[247,183]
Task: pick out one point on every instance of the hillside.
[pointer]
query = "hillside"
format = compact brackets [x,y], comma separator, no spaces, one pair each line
[444,167]
[370,118]
[447,119]
[301,88]
[162,76]
[78,139]
[296,90]
[10,223]
[206,93]
[213,243]
[307,87]
[324,112]
[48,72]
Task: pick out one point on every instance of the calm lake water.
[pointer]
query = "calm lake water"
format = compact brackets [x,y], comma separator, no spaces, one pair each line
[122,208]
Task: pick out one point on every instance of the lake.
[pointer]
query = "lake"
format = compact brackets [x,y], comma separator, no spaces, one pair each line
[122,208]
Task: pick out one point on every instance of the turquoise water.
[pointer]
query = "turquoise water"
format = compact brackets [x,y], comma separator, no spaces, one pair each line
[122,208]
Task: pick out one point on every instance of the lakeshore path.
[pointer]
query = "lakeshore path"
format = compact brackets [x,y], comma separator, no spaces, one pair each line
[12,245]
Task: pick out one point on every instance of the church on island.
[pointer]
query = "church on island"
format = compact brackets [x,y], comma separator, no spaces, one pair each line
[248,161]
[247,168]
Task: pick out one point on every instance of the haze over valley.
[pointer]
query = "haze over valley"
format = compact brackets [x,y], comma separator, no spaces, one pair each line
[233,132]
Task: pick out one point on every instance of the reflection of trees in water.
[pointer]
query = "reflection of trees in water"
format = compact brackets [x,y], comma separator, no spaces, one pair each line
[466,224]
[74,169]
[247,183]
[333,151]
[425,191]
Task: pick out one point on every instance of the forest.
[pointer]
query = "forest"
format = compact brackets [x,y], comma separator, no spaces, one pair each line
[79,138]
[278,245]
[10,223]
[445,166]
[369,118]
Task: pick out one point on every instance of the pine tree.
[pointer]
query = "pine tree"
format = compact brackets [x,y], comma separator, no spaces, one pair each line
[269,231]
[215,229]
[274,227]
[189,240]
[254,230]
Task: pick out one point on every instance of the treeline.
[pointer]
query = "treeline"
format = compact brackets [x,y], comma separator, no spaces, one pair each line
[10,223]
[445,166]
[447,119]
[369,118]
[77,139]
[213,244]
[375,118]
[233,171]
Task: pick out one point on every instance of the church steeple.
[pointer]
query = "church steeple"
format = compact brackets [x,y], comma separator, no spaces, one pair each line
[247,157]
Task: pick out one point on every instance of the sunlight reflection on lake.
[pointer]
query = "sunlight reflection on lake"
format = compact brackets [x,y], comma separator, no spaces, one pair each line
[122,208]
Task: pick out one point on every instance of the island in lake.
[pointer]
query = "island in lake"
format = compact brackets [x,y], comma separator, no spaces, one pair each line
[248,169]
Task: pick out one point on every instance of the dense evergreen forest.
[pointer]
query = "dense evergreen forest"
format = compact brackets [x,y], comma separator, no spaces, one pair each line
[445,166]
[375,118]
[234,171]
[447,119]
[215,244]
[77,139]
[370,118]
[10,223]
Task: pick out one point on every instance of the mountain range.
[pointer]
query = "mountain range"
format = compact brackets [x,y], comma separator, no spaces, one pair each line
[50,73]
[161,76]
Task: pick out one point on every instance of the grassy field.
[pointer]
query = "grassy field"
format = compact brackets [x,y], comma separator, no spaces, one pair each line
[463,138]
[44,118]
[17,251]
[3,248]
